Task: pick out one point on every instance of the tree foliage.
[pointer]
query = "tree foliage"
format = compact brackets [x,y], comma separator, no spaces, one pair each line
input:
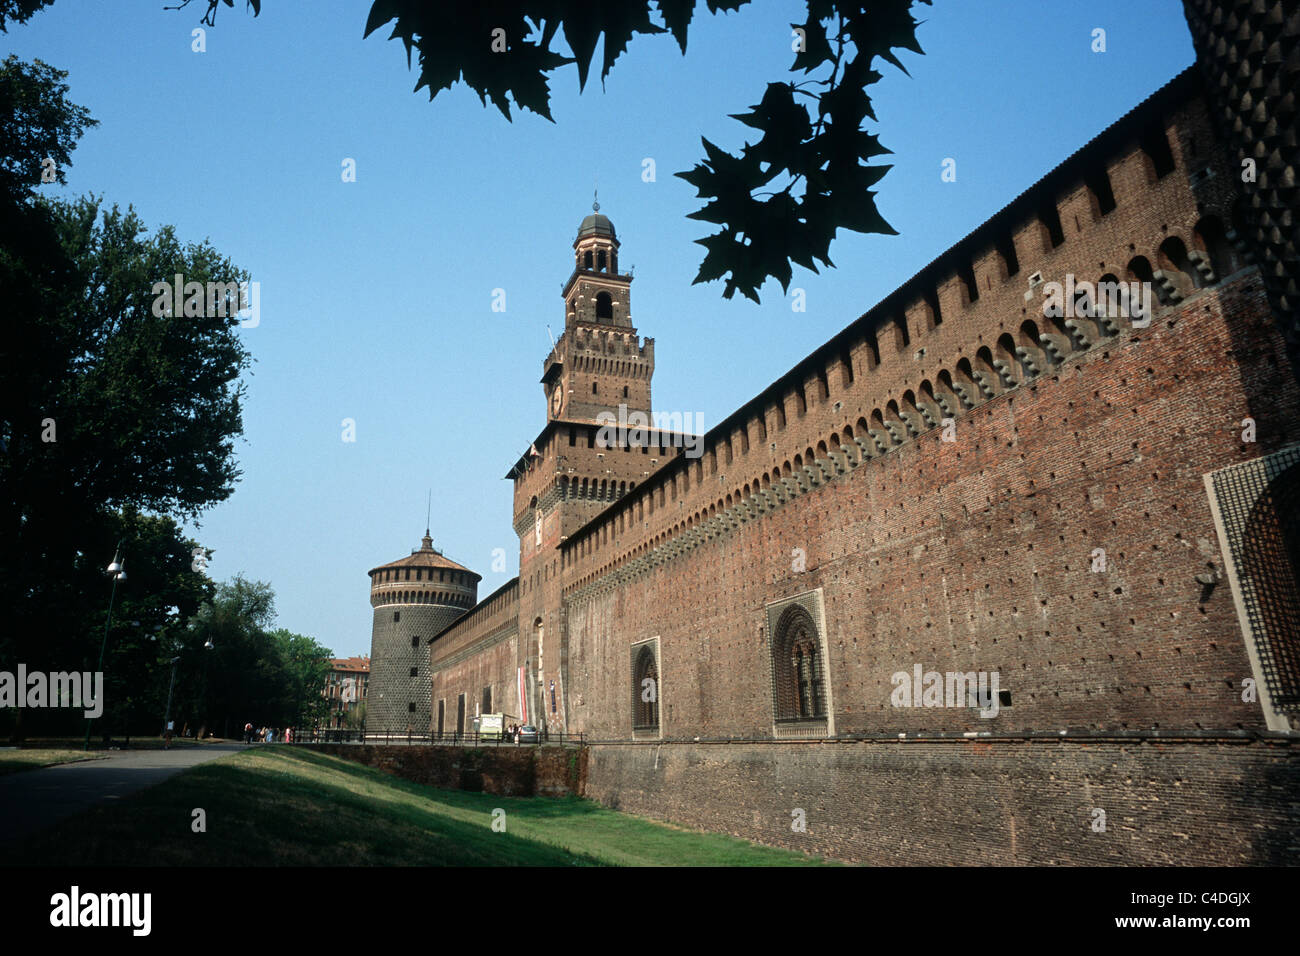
[19,11]
[107,411]
[781,199]
[162,591]
[251,673]
[37,122]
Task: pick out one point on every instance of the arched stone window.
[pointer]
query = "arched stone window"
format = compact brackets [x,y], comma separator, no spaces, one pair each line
[645,688]
[604,306]
[586,260]
[798,689]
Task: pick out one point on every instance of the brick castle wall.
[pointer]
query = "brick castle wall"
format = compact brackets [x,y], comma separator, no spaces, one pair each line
[976,555]
[936,484]
[505,770]
[973,803]
[480,652]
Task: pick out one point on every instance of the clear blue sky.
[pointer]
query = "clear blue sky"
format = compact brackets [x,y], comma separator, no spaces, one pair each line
[376,295]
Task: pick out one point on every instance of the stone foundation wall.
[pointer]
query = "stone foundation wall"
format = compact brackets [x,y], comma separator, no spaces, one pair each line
[505,770]
[964,803]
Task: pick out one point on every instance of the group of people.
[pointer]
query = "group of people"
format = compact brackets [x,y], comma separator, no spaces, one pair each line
[267,734]
[513,732]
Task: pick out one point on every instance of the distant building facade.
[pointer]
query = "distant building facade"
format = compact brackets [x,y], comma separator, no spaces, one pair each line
[346,688]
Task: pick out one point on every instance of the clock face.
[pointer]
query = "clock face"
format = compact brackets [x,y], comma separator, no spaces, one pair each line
[557,399]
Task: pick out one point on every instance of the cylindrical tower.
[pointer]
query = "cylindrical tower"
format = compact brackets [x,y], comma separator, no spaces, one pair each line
[414,598]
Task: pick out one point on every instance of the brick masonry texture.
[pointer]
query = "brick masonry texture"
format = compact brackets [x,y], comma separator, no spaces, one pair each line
[973,556]
[974,803]
[505,770]
[479,653]
[397,647]
[959,482]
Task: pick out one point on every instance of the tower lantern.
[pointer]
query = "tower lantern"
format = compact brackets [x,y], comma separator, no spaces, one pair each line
[597,293]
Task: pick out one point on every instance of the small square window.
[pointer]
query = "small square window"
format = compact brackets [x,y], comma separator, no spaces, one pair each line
[415,672]
[397,616]
[415,642]
[411,707]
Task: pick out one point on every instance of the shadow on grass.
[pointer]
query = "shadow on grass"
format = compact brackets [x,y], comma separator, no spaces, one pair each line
[584,826]
[281,806]
[274,807]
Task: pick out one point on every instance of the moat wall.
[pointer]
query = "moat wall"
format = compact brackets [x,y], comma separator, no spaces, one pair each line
[505,770]
[967,803]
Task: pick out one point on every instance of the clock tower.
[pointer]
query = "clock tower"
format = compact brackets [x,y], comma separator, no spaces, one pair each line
[599,362]
[572,471]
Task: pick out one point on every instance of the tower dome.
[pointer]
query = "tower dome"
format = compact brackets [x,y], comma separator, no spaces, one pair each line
[596,225]
[596,248]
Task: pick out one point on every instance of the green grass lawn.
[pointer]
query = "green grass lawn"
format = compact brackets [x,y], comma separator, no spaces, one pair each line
[30,758]
[283,806]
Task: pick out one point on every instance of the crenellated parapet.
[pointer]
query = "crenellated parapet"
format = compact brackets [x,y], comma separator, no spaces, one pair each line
[1139,218]
[496,613]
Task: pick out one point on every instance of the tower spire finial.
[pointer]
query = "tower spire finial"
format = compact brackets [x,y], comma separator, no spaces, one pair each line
[428,511]
[595,196]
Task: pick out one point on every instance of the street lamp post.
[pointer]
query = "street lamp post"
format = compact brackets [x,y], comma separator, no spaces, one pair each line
[167,717]
[207,646]
[118,571]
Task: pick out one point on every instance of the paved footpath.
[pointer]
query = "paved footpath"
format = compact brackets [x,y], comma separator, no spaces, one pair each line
[31,800]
